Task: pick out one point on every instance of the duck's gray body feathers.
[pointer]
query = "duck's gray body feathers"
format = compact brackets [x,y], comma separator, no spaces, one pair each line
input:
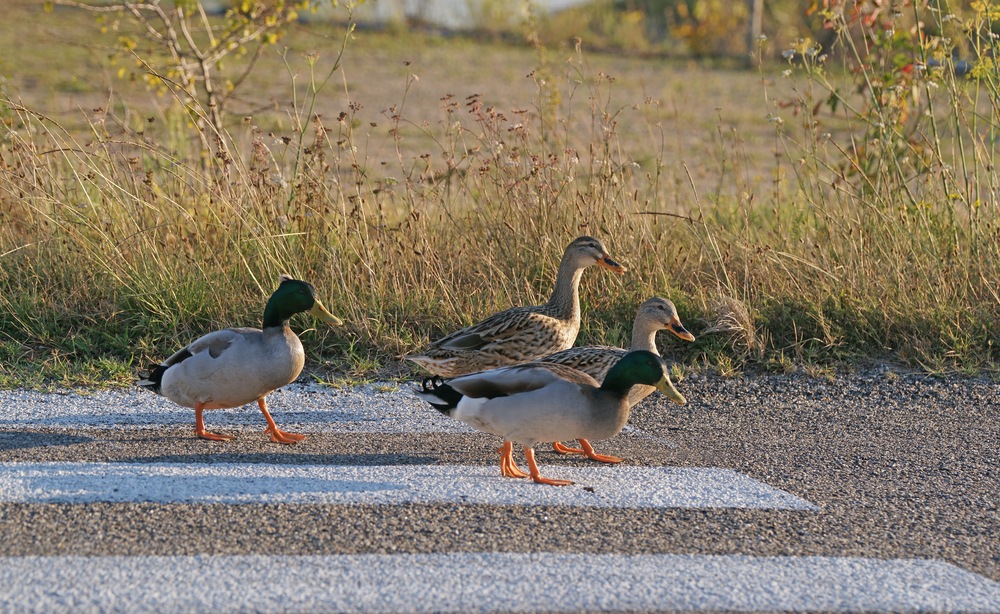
[215,369]
[536,403]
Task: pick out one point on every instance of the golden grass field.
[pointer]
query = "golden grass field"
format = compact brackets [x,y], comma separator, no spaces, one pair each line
[434,180]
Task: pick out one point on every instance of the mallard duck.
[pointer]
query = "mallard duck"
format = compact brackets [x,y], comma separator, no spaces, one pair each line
[236,366]
[654,315]
[521,334]
[543,402]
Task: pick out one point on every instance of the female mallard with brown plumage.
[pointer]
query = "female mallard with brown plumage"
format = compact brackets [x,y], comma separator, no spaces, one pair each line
[542,402]
[521,334]
[236,366]
[654,315]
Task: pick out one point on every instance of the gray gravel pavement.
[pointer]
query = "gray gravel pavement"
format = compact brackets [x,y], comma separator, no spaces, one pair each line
[896,467]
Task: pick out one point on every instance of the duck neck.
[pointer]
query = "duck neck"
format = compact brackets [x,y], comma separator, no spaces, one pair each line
[618,382]
[565,298]
[643,339]
[274,316]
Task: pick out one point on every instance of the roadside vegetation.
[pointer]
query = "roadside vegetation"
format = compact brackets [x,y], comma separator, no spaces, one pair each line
[834,205]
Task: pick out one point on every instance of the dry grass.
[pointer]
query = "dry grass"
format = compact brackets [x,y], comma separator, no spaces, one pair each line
[436,181]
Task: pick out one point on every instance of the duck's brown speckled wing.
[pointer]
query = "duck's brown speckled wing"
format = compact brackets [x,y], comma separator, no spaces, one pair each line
[594,360]
[510,337]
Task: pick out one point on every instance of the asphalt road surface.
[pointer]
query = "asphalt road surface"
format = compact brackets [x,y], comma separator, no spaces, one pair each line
[878,491]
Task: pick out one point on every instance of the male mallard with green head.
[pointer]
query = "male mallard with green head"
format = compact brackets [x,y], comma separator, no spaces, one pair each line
[235,366]
[541,402]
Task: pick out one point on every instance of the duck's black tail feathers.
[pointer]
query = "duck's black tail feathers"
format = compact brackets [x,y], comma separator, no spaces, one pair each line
[439,394]
[152,379]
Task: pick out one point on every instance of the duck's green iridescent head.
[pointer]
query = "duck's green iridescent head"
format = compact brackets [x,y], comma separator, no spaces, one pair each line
[295,296]
[642,367]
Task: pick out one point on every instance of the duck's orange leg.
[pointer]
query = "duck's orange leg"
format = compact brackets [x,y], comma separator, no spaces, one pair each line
[508,468]
[277,435]
[588,451]
[561,449]
[199,426]
[529,454]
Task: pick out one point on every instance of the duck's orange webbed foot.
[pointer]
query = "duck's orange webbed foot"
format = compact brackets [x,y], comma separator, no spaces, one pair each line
[280,436]
[277,435]
[508,468]
[199,426]
[536,477]
[203,434]
[588,451]
[562,449]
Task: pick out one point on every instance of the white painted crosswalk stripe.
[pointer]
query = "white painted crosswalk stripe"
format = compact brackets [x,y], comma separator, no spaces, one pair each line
[308,408]
[597,485]
[470,582]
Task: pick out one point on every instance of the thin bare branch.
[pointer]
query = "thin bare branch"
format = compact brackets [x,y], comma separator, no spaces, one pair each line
[664,213]
[110,8]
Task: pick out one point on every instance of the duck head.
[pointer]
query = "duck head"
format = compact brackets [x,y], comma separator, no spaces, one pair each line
[642,367]
[660,314]
[295,296]
[585,251]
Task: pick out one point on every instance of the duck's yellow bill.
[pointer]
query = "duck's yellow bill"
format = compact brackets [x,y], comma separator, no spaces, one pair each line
[320,312]
[667,387]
